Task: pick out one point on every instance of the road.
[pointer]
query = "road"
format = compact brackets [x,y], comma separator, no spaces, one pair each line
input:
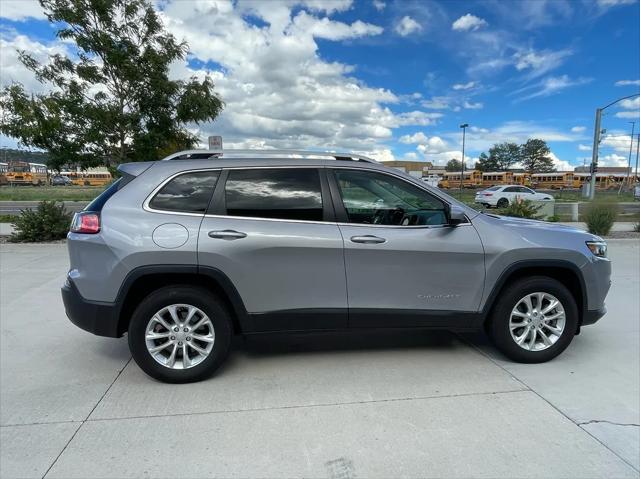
[14,207]
[399,404]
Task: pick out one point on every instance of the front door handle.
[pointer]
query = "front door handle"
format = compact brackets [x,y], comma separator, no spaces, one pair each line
[227,234]
[368,239]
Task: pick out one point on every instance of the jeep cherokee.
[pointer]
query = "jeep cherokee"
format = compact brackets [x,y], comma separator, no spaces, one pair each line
[182,254]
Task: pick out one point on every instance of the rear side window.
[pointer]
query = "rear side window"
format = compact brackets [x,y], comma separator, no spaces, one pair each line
[287,194]
[187,193]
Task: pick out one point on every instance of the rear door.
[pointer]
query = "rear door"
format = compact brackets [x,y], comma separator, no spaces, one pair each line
[273,233]
[405,266]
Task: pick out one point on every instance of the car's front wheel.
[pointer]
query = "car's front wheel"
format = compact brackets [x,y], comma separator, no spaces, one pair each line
[180,334]
[534,320]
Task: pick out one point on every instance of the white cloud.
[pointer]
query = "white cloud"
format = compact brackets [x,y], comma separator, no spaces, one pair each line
[578,129]
[21,10]
[614,3]
[481,139]
[379,5]
[630,103]
[582,147]
[618,142]
[538,63]
[628,114]
[382,155]
[468,22]
[332,30]
[549,86]
[10,66]
[472,106]
[436,103]
[407,26]
[464,86]
[278,91]
[628,83]
[418,137]
[560,165]
[612,160]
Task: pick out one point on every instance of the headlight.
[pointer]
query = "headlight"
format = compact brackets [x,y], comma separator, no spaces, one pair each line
[598,248]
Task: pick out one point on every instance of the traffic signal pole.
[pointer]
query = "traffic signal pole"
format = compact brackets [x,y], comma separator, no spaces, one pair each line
[594,155]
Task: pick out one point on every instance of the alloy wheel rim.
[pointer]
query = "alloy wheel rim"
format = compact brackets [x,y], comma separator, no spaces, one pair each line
[179,336]
[537,321]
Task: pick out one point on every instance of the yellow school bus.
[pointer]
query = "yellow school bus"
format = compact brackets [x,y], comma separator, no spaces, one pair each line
[493,178]
[553,181]
[88,178]
[471,179]
[25,173]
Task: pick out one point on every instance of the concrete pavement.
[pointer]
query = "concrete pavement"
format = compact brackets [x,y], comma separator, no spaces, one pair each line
[399,404]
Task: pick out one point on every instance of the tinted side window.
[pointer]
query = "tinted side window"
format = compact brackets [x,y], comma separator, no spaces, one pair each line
[511,189]
[288,194]
[376,198]
[188,193]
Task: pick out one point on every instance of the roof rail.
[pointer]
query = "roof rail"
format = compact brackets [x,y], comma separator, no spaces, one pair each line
[229,153]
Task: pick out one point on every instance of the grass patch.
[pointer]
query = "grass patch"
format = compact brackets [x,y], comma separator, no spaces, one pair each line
[8,218]
[52,193]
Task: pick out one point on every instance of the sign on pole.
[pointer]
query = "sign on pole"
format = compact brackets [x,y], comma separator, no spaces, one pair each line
[215,143]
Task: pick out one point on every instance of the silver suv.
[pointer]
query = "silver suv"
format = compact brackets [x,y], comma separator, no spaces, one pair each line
[184,253]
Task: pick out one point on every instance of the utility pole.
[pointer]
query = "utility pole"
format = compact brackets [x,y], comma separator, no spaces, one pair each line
[637,152]
[626,180]
[464,129]
[594,155]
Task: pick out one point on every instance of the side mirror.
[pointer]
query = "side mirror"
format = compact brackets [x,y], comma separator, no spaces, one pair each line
[456,215]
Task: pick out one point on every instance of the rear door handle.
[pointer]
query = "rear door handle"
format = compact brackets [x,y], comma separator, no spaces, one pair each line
[227,234]
[368,239]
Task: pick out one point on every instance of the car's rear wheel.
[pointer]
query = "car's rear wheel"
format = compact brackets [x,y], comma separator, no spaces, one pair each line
[180,334]
[502,203]
[534,320]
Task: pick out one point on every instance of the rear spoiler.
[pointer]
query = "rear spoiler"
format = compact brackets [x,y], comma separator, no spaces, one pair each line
[134,169]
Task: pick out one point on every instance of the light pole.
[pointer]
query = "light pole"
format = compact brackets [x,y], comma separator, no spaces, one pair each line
[596,142]
[464,130]
[633,126]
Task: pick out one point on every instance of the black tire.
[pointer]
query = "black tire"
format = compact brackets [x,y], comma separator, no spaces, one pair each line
[502,203]
[498,327]
[180,294]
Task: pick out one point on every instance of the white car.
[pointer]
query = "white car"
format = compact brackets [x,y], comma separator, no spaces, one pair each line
[503,196]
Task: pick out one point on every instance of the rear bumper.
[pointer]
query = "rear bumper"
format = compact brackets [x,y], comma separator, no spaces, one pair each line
[96,317]
[592,316]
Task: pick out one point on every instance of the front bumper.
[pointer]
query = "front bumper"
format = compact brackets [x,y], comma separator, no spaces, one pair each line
[96,317]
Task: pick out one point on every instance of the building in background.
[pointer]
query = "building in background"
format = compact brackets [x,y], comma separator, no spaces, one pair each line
[417,169]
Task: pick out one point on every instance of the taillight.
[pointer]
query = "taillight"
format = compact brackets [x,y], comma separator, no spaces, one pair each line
[85,222]
[488,194]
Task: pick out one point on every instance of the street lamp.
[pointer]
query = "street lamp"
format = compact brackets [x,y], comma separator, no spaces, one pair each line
[464,130]
[596,142]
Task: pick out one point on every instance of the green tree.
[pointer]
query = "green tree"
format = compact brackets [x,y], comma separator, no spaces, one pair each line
[111,97]
[536,156]
[485,163]
[453,165]
[505,155]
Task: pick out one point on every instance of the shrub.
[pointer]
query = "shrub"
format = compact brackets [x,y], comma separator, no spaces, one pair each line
[600,217]
[49,221]
[553,219]
[522,209]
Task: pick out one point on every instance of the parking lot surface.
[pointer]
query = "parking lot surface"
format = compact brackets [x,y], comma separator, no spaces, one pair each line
[376,404]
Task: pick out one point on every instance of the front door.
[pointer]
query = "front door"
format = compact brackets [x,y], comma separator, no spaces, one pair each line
[274,236]
[405,265]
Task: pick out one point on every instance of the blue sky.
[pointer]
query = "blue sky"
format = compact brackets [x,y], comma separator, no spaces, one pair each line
[395,79]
